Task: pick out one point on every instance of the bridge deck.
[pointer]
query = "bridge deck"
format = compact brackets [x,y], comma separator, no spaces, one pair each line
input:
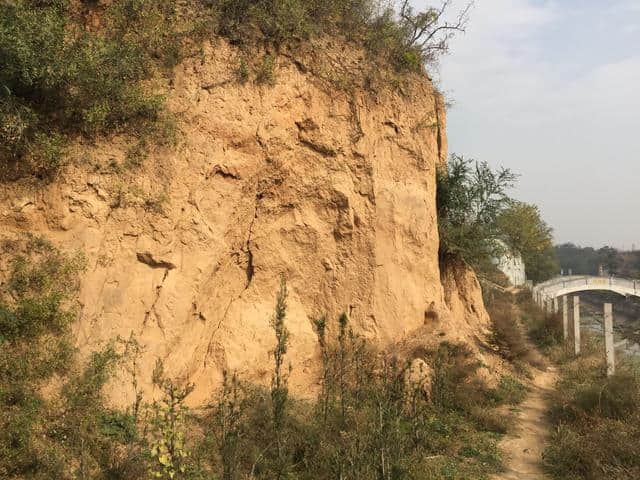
[559,286]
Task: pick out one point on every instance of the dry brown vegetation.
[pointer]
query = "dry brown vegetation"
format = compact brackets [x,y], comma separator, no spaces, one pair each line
[509,334]
[596,419]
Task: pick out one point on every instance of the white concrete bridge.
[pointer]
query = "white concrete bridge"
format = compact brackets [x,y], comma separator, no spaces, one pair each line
[546,295]
[560,286]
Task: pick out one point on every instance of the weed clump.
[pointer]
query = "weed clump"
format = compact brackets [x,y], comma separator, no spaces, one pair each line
[167,449]
[368,420]
[544,329]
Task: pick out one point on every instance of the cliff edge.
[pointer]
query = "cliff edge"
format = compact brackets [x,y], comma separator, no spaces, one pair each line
[332,189]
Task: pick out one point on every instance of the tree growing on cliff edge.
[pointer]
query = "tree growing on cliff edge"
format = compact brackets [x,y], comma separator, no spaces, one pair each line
[470,198]
[427,33]
[524,230]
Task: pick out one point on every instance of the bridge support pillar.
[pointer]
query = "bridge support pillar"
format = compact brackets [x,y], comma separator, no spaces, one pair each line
[565,317]
[555,305]
[576,324]
[608,339]
[549,306]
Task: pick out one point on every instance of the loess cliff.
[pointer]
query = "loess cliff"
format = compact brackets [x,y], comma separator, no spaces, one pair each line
[332,189]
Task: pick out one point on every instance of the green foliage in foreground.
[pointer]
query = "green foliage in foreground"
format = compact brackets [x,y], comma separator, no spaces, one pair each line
[59,78]
[366,422]
[67,432]
[597,422]
[596,419]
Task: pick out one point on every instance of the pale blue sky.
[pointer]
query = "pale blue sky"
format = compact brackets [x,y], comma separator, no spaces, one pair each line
[551,89]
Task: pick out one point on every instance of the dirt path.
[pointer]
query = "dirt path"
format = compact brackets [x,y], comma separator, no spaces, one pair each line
[523,448]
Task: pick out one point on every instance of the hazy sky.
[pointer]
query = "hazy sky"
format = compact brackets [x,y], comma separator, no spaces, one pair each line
[551,89]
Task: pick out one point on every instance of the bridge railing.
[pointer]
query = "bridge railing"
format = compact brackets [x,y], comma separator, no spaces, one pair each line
[606,283]
[559,281]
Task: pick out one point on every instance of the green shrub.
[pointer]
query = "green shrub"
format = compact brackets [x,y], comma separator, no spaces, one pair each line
[266,72]
[510,391]
[242,71]
[510,335]
[525,231]
[59,79]
[69,432]
[168,446]
[544,329]
[470,197]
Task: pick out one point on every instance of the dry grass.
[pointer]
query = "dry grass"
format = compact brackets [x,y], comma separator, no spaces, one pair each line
[509,334]
[597,422]
[596,419]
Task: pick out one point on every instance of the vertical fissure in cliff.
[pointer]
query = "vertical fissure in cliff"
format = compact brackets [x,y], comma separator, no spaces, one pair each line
[250,266]
[152,309]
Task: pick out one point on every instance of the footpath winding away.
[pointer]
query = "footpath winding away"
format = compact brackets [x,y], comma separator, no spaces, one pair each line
[523,448]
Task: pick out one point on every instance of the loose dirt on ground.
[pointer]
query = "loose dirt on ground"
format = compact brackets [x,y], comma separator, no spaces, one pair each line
[523,448]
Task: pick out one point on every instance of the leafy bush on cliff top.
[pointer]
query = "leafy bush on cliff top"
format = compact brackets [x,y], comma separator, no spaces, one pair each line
[59,77]
[392,32]
[71,68]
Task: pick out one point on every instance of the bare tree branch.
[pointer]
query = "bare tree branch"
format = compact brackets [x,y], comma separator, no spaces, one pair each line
[425,30]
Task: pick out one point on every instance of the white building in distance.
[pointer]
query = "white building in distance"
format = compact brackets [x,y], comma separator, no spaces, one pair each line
[511,264]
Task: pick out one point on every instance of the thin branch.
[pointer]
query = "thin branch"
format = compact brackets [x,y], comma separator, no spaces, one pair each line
[460,26]
[435,19]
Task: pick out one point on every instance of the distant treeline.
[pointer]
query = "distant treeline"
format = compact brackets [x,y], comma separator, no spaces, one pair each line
[588,260]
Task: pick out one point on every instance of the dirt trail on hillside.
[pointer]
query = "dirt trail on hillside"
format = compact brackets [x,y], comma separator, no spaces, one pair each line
[523,448]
